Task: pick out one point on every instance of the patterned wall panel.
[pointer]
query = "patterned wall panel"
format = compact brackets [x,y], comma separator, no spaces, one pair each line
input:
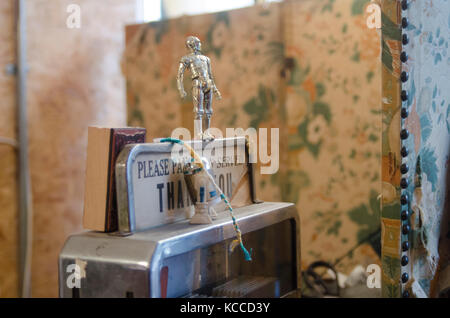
[334,129]
[392,157]
[311,69]
[416,116]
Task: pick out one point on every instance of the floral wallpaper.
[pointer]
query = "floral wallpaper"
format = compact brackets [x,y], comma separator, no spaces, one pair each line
[321,89]
[333,129]
[416,146]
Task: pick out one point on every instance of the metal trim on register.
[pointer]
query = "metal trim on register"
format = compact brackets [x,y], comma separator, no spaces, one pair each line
[141,254]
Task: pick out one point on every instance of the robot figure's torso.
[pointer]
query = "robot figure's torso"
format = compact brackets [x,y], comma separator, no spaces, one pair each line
[198,65]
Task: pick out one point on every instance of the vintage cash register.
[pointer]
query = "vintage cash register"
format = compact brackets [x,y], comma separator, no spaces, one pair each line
[156,252]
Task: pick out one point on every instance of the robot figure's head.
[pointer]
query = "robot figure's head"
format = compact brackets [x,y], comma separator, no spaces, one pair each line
[193,44]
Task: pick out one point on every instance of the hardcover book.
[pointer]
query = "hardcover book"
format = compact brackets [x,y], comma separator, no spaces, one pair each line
[104,145]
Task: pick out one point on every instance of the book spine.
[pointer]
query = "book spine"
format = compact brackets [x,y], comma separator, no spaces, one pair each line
[120,137]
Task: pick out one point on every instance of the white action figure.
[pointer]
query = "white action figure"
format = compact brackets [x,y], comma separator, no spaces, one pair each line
[203,85]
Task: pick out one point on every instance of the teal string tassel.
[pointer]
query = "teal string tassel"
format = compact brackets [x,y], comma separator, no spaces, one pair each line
[247,254]
[172,140]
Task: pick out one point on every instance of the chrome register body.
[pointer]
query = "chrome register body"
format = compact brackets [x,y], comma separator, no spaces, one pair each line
[179,259]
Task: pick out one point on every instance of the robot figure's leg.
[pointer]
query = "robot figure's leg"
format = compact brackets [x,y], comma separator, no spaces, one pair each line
[208,108]
[197,99]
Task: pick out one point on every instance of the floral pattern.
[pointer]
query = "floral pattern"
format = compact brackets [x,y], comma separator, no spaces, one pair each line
[321,89]
[428,142]
[334,136]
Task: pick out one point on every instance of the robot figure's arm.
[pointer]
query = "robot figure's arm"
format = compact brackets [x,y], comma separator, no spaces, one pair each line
[216,91]
[181,69]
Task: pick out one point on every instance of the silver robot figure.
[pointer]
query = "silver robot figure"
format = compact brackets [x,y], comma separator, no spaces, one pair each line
[203,85]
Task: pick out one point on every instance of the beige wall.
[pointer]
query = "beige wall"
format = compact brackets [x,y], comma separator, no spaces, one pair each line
[74,81]
[8,170]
